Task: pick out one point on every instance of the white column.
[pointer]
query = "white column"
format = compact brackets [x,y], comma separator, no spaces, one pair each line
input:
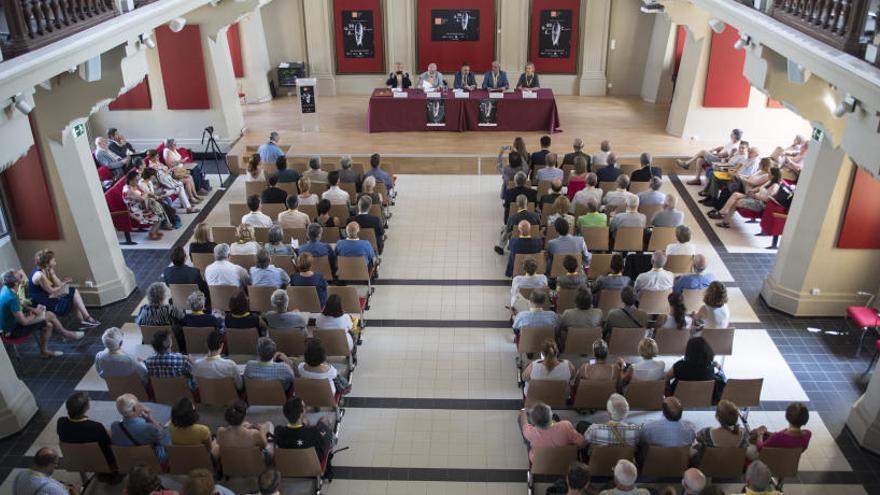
[657,82]
[400,26]
[513,38]
[17,404]
[691,77]
[320,43]
[255,56]
[594,48]
[225,113]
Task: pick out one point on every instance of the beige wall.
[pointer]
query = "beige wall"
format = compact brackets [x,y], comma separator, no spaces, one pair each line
[285,31]
[630,33]
[8,256]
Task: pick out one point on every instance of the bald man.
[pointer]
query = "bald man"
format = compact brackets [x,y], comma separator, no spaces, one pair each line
[578,146]
[496,79]
[693,482]
[670,430]
[699,279]
[524,244]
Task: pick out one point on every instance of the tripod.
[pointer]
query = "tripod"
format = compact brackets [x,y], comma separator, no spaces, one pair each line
[216,155]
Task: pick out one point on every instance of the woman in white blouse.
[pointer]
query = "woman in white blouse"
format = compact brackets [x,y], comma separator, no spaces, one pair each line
[549,367]
[305,196]
[714,312]
[332,317]
[246,243]
[255,170]
[315,365]
[684,244]
[530,280]
[648,369]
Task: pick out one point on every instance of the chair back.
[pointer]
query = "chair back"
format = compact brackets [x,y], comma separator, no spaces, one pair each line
[603,458]
[720,340]
[290,342]
[665,462]
[298,463]
[236,211]
[283,262]
[242,462]
[351,302]
[334,340]
[216,391]
[197,339]
[553,460]
[289,188]
[321,264]
[600,265]
[551,392]
[272,210]
[646,396]
[261,235]
[597,239]
[695,394]
[609,299]
[315,392]
[723,462]
[84,458]
[129,457]
[223,234]
[169,390]
[783,463]
[352,268]
[744,392]
[649,211]
[693,298]
[654,302]
[241,341]
[556,269]
[625,341]
[202,260]
[221,294]
[544,187]
[304,298]
[579,341]
[148,331]
[301,235]
[254,187]
[183,459]
[637,187]
[330,235]
[607,187]
[629,168]
[671,341]
[129,384]
[681,264]
[310,210]
[340,211]
[660,238]
[565,299]
[594,394]
[629,239]
[531,339]
[351,189]
[245,261]
[551,232]
[259,298]
[540,259]
[264,392]
[179,293]
[369,234]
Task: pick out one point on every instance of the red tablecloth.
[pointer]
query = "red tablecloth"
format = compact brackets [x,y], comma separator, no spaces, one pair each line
[515,113]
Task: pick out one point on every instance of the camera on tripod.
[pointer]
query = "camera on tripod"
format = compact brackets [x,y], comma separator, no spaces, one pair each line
[209,131]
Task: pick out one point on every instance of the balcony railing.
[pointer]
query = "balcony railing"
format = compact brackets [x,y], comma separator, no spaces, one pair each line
[839,23]
[36,23]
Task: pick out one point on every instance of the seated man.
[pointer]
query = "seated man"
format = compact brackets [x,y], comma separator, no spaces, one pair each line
[578,146]
[496,79]
[791,159]
[285,174]
[166,364]
[38,479]
[536,316]
[273,194]
[314,172]
[224,272]
[198,317]
[625,476]
[520,187]
[118,144]
[299,434]
[539,429]
[647,171]
[629,218]
[316,248]
[743,164]
[431,79]
[256,218]
[610,171]
[366,221]
[653,196]
[528,79]
[551,171]
[380,175]
[522,213]
[265,274]
[554,192]
[693,482]
[270,151]
[292,218]
[464,79]
[334,193]
[347,175]
[214,366]
[352,246]
[615,431]
[181,273]
[399,77]
[78,428]
[524,244]
[617,199]
[699,279]
[657,278]
[669,430]
[109,159]
[115,362]
[668,216]
[629,316]
[566,243]
[138,427]
[272,365]
[540,157]
[706,158]
[18,324]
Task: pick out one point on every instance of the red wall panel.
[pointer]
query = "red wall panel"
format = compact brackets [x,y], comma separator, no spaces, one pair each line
[771,103]
[449,55]
[861,223]
[233,38]
[183,68]
[726,87]
[680,38]
[29,203]
[137,98]
[553,65]
[372,65]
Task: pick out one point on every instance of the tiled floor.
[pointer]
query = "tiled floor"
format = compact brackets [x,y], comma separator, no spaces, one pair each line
[434,400]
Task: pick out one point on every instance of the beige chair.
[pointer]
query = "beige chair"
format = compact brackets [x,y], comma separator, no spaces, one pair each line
[693,298]
[629,168]
[646,396]
[531,339]
[597,239]
[607,187]
[720,340]
[245,261]
[289,188]
[671,341]
[594,394]
[179,293]
[518,260]
[556,269]
[129,457]
[554,393]
[350,298]
[579,341]
[603,458]
[744,392]
[369,234]
[600,265]
[221,294]
[335,342]
[84,458]
[236,211]
[340,211]
[665,462]
[216,391]
[264,392]
[241,341]
[660,238]
[301,235]
[259,298]
[330,235]
[130,384]
[609,299]
[282,262]
[290,342]
[223,234]
[695,394]
[625,341]
[254,187]
[649,211]
[654,302]
[321,264]
[242,462]
[565,299]
[183,459]
[681,264]
[310,210]
[550,233]
[629,239]
[304,298]
[202,260]
[315,392]
[197,339]
[553,460]
[723,462]
[147,332]
[783,463]
[353,269]
[299,463]
[169,390]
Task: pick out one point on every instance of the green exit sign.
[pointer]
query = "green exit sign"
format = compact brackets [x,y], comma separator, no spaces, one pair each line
[817,134]
[79,130]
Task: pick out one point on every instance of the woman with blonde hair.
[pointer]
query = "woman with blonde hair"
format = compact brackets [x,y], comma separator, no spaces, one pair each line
[46,287]
[202,241]
[369,189]
[519,145]
[728,433]
[305,195]
[549,367]
[648,369]
[246,243]
[560,209]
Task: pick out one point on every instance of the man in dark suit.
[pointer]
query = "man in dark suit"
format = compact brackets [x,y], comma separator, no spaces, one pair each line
[464,79]
[285,174]
[524,244]
[554,192]
[273,193]
[540,157]
[609,172]
[578,146]
[645,173]
[496,79]
[118,144]
[521,214]
[180,273]
[520,186]
[365,220]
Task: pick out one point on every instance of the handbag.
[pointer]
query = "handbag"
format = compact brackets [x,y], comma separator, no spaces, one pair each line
[343,386]
[784,195]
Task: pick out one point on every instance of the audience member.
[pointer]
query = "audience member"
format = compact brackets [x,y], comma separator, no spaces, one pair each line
[600,369]
[279,318]
[240,433]
[540,157]
[601,158]
[583,314]
[577,480]
[352,246]
[380,175]
[224,272]
[78,428]
[167,364]
[265,274]
[246,241]
[333,317]
[629,218]
[593,217]
[629,316]
[325,218]
[316,248]
[656,279]
[271,365]
[714,313]
[536,316]
[334,193]
[315,366]
[184,164]
[668,216]
[793,437]
[753,200]
[269,482]
[240,316]
[299,434]
[347,175]
[574,277]
[304,276]
[699,279]
[683,245]
[202,241]
[759,480]
[549,367]
[566,243]
[38,478]
[693,482]
[647,368]
[620,198]
[270,151]
[113,361]
[255,218]
[614,279]
[367,221]
[540,430]
[708,157]
[55,293]
[185,430]
[524,158]
[306,196]
[284,174]
[625,476]
[588,193]
[728,433]
[369,190]
[201,482]
[560,209]
[520,187]
[523,244]
[652,196]
[551,171]
[180,273]
[610,172]
[143,209]
[138,427]
[107,158]
[530,280]
[213,366]
[647,172]
[292,218]
[144,480]
[275,244]
[578,146]
[554,192]
[697,365]
[314,172]
[157,311]
[669,430]
[522,214]
[615,431]
[17,323]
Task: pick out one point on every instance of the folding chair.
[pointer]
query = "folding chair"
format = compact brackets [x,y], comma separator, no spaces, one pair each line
[290,342]
[351,189]
[148,331]
[236,211]
[283,262]
[180,292]
[259,298]
[202,260]
[221,294]
[625,341]
[607,187]
[637,187]
[680,264]
[693,298]
[264,392]
[301,235]
[720,340]
[354,269]
[629,168]
[603,458]
[554,393]
[597,239]
[723,462]
[300,463]
[600,264]
[565,299]
[352,303]
[665,462]
[197,339]
[671,341]
[242,462]
[216,391]
[245,261]
[531,339]
[534,232]
[336,344]
[261,234]
[556,269]
[169,390]
[84,458]
[330,235]
[745,393]
[629,239]
[129,384]
[594,394]
[254,187]
[609,299]
[654,302]
[304,298]
[783,463]
[274,209]
[241,341]
[129,457]
[224,234]
[649,211]
[660,238]
[369,234]
[540,259]
[647,396]
[579,341]
[552,461]
[695,394]
[321,264]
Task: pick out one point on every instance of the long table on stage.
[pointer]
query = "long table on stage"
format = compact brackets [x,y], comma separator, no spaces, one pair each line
[515,113]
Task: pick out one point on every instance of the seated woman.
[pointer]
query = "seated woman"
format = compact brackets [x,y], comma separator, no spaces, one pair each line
[727,434]
[530,280]
[239,315]
[46,287]
[582,315]
[184,166]
[578,178]
[528,79]
[255,170]
[275,245]
[714,312]
[149,184]
[282,319]
[683,244]
[793,437]
[306,197]
[593,217]
[560,209]
[185,430]
[245,243]
[141,208]
[677,317]
[202,241]
[304,276]
[615,279]
[324,219]
[754,199]
[315,365]
[265,274]
[369,189]
[168,183]
[157,312]
[333,317]
[197,316]
[113,361]
[697,365]
[648,369]
[574,277]
[600,369]
[549,367]
[179,175]
[241,433]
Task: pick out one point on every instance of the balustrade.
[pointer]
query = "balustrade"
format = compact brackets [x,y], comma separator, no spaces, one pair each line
[36,23]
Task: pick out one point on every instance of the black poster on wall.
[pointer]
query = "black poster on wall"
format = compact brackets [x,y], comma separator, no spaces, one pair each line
[307,99]
[435,112]
[357,34]
[488,113]
[455,25]
[555,34]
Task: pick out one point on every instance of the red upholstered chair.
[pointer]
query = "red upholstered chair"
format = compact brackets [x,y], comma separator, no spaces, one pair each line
[752,215]
[122,221]
[104,173]
[773,222]
[184,152]
[865,318]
